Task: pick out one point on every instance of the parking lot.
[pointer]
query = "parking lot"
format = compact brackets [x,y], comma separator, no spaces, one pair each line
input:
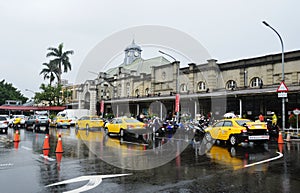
[93,162]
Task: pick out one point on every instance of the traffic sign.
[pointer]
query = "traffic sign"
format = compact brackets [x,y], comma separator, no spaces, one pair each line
[282,87]
[296,111]
[282,95]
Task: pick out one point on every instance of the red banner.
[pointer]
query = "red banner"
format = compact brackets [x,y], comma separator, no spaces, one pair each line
[102,106]
[177,102]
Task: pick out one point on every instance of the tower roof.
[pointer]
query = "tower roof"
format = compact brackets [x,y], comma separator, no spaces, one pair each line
[133,46]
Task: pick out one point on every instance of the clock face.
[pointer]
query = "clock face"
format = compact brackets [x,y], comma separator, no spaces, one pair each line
[136,53]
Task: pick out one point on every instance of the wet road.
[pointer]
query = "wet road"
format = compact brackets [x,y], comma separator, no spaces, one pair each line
[98,163]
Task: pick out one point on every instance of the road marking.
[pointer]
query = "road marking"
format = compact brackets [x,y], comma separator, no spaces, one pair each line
[47,158]
[6,165]
[93,181]
[264,161]
[26,148]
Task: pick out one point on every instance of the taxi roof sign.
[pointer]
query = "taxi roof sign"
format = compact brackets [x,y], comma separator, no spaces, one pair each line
[282,87]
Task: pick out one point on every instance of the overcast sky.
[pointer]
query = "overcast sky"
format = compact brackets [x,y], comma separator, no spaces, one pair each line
[229,30]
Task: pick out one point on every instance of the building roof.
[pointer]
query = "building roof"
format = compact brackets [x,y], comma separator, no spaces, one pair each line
[140,65]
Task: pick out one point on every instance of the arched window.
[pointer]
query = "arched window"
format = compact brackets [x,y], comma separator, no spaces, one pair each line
[183,88]
[147,91]
[137,92]
[201,86]
[256,82]
[87,99]
[231,85]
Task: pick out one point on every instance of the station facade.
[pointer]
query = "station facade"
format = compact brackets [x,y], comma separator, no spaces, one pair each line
[246,87]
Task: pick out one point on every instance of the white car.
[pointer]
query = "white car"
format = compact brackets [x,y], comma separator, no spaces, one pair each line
[4,123]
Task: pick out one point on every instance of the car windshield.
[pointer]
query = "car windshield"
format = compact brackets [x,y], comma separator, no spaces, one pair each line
[2,118]
[131,121]
[19,116]
[95,118]
[242,122]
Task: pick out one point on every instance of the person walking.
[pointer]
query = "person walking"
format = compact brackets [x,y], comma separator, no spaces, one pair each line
[274,119]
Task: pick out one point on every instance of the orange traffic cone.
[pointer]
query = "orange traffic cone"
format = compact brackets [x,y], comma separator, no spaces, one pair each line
[280,140]
[46,142]
[16,136]
[16,145]
[58,160]
[59,148]
[46,152]
[280,147]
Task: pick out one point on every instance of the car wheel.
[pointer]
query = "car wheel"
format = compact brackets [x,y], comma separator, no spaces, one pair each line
[33,127]
[122,133]
[106,131]
[208,137]
[233,140]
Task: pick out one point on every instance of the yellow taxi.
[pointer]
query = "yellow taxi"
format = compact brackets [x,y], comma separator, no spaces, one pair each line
[125,125]
[60,122]
[90,122]
[237,130]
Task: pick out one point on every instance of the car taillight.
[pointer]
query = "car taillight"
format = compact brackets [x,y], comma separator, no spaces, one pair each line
[69,120]
[5,122]
[244,130]
[130,126]
[36,120]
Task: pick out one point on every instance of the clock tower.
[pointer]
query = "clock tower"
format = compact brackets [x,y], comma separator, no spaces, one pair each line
[132,52]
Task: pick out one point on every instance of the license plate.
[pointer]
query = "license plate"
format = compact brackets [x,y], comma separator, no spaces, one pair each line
[259,137]
[43,128]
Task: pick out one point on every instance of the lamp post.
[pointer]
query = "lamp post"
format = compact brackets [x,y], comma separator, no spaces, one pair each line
[282,60]
[177,86]
[28,90]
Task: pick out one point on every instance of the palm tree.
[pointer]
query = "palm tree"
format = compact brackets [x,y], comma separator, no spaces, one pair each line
[61,59]
[50,71]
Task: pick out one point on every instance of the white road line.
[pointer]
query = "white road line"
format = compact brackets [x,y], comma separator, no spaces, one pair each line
[264,161]
[6,165]
[93,181]
[47,158]
[26,148]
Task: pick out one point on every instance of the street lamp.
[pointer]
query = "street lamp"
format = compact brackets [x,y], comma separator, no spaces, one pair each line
[177,85]
[282,60]
[30,90]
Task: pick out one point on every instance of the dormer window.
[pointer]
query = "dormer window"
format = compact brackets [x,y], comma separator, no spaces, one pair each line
[256,82]
[201,86]
[231,85]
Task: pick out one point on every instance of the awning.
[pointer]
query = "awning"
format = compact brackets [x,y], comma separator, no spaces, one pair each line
[32,108]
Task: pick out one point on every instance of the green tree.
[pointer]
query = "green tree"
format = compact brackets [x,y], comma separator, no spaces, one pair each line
[61,59]
[50,72]
[49,95]
[9,92]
